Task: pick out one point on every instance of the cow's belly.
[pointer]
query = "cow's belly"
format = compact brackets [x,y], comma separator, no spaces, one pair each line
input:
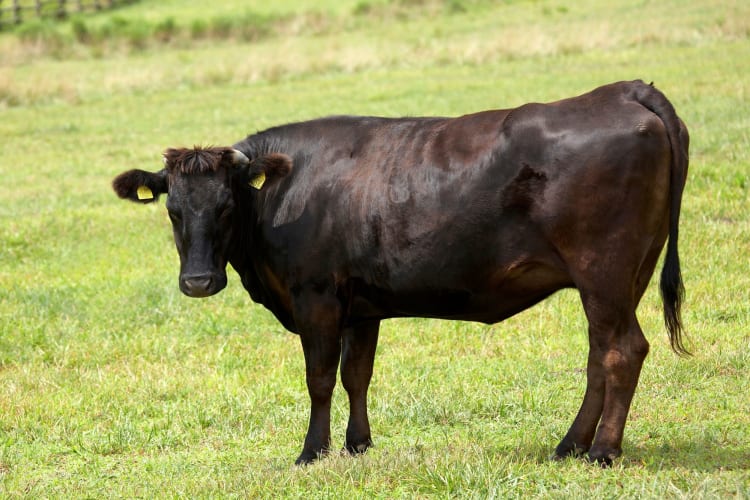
[489,297]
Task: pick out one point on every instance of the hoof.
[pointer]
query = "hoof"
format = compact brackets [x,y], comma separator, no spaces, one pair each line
[558,458]
[565,450]
[308,457]
[302,460]
[604,457]
[358,448]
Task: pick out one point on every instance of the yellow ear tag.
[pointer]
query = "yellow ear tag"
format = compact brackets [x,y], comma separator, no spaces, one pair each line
[144,193]
[258,180]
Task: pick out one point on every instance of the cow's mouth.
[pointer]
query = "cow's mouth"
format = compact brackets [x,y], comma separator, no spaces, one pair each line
[202,285]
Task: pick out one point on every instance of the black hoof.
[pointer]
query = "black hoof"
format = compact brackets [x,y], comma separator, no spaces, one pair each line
[308,457]
[302,461]
[358,448]
[565,450]
[604,457]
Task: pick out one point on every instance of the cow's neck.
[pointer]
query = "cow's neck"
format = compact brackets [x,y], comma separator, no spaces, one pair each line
[246,257]
[247,249]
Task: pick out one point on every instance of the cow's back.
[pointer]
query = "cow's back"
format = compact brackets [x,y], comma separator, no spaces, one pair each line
[453,217]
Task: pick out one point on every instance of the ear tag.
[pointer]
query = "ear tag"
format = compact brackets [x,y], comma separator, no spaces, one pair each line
[258,180]
[144,193]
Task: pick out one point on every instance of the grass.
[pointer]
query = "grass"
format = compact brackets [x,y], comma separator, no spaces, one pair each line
[133,28]
[113,384]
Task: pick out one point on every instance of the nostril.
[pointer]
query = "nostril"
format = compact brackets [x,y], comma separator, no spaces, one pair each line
[202,285]
[198,284]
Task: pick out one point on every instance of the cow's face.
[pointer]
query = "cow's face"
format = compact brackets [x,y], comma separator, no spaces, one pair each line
[202,187]
[200,207]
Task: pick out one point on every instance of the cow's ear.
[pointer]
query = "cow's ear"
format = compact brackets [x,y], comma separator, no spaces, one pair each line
[140,186]
[268,167]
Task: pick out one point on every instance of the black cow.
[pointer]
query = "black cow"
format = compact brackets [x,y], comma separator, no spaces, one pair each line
[337,223]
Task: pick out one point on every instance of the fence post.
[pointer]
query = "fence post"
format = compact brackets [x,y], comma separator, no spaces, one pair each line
[12,12]
[60,14]
[17,11]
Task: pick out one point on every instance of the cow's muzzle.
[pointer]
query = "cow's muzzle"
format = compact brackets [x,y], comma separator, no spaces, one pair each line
[202,285]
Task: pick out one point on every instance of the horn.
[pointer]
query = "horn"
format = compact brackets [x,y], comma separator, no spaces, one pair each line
[239,158]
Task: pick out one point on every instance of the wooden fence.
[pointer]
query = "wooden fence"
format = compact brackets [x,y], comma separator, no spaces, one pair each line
[17,11]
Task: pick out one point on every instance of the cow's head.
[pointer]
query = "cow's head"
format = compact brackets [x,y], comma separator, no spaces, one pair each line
[203,186]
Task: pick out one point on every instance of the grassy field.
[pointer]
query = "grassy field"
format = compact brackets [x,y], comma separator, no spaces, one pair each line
[113,384]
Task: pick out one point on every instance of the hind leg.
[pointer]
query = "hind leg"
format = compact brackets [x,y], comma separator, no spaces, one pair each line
[611,290]
[621,348]
[579,437]
[622,359]
[617,348]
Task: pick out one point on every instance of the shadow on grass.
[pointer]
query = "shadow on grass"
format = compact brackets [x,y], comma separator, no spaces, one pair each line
[695,454]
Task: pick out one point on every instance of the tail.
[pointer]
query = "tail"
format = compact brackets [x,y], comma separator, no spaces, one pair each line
[672,288]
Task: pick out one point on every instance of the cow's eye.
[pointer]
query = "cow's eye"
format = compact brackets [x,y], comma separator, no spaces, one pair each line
[175,217]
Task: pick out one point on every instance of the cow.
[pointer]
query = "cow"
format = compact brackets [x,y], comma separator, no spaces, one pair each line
[338,223]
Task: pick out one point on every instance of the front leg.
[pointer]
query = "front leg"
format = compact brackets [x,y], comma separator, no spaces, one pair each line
[318,318]
[357,358]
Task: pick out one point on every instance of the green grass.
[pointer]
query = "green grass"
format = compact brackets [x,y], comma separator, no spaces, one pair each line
[114,384]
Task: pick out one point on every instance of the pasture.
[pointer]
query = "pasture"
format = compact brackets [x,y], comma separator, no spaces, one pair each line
[113,384]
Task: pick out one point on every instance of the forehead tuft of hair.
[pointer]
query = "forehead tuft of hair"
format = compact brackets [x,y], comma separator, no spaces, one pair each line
[198,160]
